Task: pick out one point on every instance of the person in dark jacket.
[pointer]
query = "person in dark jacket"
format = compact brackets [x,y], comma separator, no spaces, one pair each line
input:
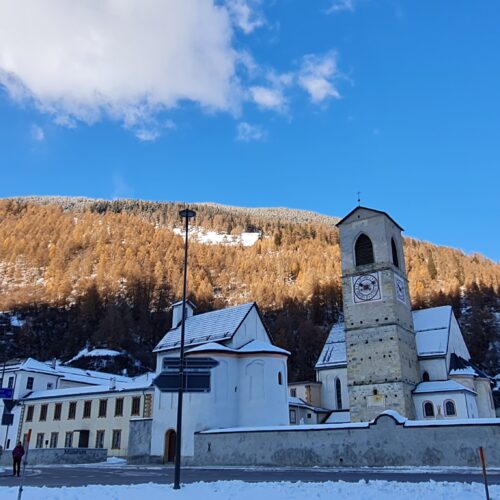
[17,455]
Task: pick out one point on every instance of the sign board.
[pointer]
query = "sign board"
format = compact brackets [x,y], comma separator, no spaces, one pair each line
[8,404]
[196,376]
[168,381]
[189,363]
[6,393]
[7,419]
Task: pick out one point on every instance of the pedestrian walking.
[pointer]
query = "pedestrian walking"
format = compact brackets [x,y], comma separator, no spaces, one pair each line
[17,455]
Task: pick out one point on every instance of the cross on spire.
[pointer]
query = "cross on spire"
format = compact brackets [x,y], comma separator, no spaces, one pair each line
[359,198]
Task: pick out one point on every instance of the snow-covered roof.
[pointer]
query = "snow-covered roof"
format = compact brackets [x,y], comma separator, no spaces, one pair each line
[441,386]
[334,351]
[139,383]
[253,346]
[432,327]
[64,372]
[293,401]
[207,327]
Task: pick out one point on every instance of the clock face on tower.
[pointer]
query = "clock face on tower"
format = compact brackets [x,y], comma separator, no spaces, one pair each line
[366,288]
[400,289]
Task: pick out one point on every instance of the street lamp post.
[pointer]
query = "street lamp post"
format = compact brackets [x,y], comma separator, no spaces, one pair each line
[185,214]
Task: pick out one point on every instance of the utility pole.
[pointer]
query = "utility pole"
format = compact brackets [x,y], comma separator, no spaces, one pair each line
[185,214]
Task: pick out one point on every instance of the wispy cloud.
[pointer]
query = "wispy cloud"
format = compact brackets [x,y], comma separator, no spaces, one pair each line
[338,6]
[246,14]
[317,76]
[248,133]
[37,133]
[268,98]
[120,188]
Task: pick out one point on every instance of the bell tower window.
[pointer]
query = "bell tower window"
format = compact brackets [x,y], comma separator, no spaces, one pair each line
[363,250]
[395,260]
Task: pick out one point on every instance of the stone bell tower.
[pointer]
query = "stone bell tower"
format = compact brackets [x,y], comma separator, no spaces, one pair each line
[382,363]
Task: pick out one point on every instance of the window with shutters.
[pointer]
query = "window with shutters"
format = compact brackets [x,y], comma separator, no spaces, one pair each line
[103,405]
[119,407]
[72,410]
[29,413]
[99,439]
[57,411]
[136,406]
[43,413]
[87,409]
[116,441]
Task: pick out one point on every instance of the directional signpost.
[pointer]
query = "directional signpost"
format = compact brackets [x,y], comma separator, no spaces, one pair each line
[6,393]
[196,375]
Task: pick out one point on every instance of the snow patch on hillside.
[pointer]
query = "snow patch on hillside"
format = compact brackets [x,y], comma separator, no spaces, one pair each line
[214,238]
[85,353]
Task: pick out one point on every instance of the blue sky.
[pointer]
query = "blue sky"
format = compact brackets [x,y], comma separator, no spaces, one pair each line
[286,103]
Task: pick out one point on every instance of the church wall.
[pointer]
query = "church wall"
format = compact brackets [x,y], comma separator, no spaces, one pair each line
[327,378]
[383,443]
[438,399]
[485,403]
[435,367]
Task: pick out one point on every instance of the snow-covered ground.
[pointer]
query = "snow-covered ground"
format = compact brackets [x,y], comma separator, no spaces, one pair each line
[230,490]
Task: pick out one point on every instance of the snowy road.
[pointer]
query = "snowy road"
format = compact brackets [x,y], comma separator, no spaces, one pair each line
[56,476]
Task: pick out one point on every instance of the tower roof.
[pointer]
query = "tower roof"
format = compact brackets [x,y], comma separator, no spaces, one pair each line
[370,210]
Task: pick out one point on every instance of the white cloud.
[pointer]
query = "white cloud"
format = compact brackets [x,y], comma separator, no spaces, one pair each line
[317,76]
[268,98]
[340,6]
[247,132]
[124,59]
[120,187]
[37,133]
[246,14]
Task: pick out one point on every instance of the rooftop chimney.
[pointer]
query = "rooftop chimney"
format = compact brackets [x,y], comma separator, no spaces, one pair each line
[177,312]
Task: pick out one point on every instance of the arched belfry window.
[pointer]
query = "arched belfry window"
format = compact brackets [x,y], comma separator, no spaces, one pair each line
[363,250]
[395,259]
[450,409]
[428,409]
[338,393]
[425,377]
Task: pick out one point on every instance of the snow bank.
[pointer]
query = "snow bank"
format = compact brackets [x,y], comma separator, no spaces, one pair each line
[226,490]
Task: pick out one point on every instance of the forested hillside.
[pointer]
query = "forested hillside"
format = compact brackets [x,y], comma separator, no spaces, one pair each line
[76,272]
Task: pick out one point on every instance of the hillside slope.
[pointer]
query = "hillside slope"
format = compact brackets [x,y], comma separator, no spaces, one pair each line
[78,272]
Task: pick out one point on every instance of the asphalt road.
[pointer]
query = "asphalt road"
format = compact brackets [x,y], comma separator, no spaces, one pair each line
[55,476]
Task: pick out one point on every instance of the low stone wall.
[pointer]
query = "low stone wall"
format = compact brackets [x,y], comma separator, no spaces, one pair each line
[42,456]
[387,441]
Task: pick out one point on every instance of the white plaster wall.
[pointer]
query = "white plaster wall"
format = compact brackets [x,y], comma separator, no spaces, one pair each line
[438,399]
[436,368]
[484,399]
[327,378]
[250,329]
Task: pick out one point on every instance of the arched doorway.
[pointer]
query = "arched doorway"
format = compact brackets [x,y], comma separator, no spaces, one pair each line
[169,446]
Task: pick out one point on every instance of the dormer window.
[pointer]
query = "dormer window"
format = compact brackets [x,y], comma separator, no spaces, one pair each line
[395,259]
[363,251]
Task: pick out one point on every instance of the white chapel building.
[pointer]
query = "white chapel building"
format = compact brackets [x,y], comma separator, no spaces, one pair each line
[248,386]
[385,356]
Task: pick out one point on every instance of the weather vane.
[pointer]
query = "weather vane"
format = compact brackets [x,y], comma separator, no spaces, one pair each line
[359,198]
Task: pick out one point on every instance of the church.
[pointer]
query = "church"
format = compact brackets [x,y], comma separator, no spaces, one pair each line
[384,356]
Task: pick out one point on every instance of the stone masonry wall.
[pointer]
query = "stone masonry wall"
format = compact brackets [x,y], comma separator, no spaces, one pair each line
[385,442]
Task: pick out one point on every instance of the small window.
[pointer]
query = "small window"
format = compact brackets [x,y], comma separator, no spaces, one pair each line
[293,393]
[136,406]
[309,415]
[29,413]
[57,411]
[450,409]
[72,410]
[117,437]
[119,407]
[39,440]
[29,383]
[103,405]
[395,259]
[280,378]
[375,392]
[53,439]
[99,439]
[428,409]
[43,413]
[50,385]
[68,440]
[425,377]
[87,409]
[10,384]
[338,393]
[293,417]
[363,250]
